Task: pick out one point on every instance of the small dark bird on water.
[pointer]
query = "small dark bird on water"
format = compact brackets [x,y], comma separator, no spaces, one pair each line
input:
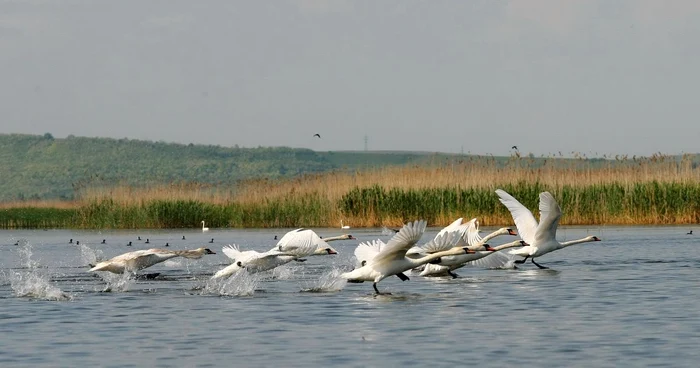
[104,241]
[148,241]
[139,238]
[70,241]
[690,232]
[128,245]
[317,135]
[167,245]
[183,237]
[275,237]
[16,243]
[77,242]
[515,148]
[212,240]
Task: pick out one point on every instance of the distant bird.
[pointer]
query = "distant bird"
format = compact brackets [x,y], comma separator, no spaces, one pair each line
[17,243]
[690,232]
[275,237]
[139,238]
[77,242]
[183,237]
[212,240]
[515,148]
[148,241]
[344,226]
[104,241]
[140,259]
[317,135]
[128,245]
[167,244]
[70,241]
[204,228]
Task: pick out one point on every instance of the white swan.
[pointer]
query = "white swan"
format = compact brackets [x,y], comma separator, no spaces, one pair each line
[447,264]
[542,236]
[293,246]
[140,259]
[343,226]
[204,228]
[322,247]
[378,261]
[325,249]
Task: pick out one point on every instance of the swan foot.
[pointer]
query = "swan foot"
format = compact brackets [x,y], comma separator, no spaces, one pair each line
[454,275]
[377,290]
[521,261]
[402,276]
[538,265]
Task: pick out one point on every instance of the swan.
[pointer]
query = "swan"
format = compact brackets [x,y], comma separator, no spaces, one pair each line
[322,250]
[140,259]
[322,247]
[204,228]
[450,263]
[542,236]
[378,261]
[293,246]
[343,226]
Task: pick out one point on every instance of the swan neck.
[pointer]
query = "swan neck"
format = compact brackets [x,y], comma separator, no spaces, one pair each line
[423,260]
[574,242]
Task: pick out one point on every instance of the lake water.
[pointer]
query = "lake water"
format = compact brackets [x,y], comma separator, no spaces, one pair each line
[631,300]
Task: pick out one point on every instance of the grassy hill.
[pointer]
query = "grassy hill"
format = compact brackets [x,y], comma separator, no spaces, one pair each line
[44,167]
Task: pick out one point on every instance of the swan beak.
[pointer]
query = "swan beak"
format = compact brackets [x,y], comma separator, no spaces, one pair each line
[595,238]
[331,251]
[350,237]
[511,232]
[489,248]
[524,244]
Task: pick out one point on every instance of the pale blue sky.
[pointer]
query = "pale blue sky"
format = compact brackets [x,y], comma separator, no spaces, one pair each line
[598,76]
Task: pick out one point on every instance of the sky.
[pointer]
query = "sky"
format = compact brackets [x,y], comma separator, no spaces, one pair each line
[592,76]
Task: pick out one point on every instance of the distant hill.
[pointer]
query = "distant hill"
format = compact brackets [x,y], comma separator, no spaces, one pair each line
[44,167]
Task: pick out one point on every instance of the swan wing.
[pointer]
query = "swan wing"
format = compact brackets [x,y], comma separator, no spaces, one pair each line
[299,242]
[397,246]
[550,213]
[442,242]
[493,260]
[366,251]
[460,226]
[472,233]
[523,218]
[233,251]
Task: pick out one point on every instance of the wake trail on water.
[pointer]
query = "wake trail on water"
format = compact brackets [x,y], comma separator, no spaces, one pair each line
[33,282]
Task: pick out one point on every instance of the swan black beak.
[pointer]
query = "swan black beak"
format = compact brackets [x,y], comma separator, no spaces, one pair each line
[511,232]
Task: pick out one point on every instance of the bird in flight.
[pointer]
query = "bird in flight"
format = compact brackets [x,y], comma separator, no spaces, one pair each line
[317,135]
[515,148]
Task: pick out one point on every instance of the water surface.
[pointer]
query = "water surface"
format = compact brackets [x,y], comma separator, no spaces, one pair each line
[630,300]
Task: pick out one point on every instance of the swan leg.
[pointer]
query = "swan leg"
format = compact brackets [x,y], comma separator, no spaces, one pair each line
[454,275]
[538,265]
[377,290]
[522,260]
[402,276]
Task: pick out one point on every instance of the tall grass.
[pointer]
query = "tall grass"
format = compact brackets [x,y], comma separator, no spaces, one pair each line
[654,190]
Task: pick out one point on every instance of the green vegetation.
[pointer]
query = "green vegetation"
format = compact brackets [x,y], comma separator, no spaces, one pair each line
[43,167]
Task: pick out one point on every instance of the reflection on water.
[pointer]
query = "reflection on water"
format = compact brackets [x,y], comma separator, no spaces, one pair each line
[620,301]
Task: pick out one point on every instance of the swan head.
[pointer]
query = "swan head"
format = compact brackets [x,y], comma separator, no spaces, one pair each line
[489,248]
[324,251]
[510,231]
[595,238]
[205,251]
[468,251]
[348,237]
[330,250]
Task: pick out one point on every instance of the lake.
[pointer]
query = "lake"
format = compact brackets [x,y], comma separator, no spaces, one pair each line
[631,300]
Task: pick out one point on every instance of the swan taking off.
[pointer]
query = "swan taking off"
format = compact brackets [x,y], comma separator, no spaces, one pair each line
[140,259]
[378,261]
[293,245]
[541,236]
[204,228]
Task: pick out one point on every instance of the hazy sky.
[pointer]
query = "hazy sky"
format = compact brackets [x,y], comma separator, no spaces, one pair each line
[591,76]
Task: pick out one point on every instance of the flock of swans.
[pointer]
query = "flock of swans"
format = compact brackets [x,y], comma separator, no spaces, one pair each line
[455,246]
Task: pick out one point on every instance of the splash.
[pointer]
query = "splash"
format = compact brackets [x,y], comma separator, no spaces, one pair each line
[328,282]
[239,284]
[36,286]
[32,283]
[90,256]
[285,272]
[117,282]
[173,263]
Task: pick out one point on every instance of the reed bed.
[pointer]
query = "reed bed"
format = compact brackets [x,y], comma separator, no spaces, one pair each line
[655,190]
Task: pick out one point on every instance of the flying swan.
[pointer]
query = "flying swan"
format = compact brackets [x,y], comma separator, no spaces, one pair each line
[140,259]
[542,236]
